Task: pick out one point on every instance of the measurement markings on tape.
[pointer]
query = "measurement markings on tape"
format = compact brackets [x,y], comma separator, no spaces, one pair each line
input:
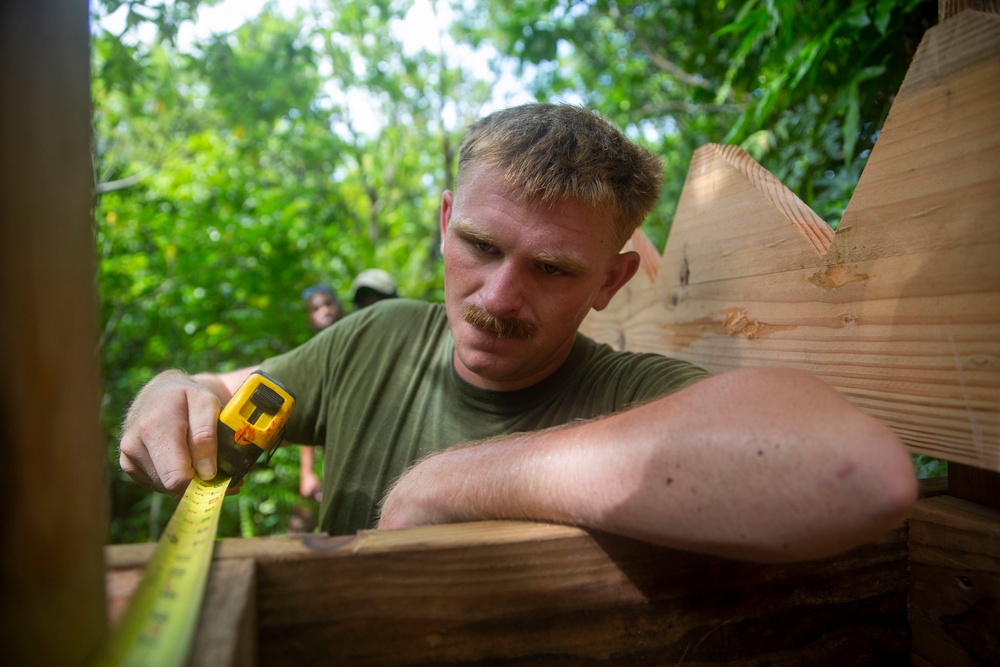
[159,624]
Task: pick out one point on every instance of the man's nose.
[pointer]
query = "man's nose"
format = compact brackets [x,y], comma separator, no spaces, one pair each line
[503,292]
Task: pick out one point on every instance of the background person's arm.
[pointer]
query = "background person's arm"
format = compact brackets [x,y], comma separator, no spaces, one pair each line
[757,464]
[170,430]
[310,484]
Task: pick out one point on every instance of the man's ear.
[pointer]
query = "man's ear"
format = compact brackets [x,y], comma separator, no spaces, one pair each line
[623,267]
[447,205]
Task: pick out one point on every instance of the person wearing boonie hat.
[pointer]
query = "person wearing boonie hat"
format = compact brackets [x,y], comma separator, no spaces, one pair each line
[372,285]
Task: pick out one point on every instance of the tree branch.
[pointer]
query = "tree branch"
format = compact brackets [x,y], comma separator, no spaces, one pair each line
[673,106]
[122,183]
[658,60]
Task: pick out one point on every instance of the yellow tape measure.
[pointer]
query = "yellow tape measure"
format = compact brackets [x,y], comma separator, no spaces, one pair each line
[159,623]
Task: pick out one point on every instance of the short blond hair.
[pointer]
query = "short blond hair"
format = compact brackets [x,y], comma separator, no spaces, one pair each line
[552,152]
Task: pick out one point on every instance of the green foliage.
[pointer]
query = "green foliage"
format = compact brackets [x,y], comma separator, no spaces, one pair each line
[803,87]
[229,179]
[263,72]
[928,467]
[236,172]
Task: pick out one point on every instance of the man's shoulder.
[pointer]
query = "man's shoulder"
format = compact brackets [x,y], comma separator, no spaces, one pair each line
[405,311]
[408,306]
[610,365]
[384,329]
[392,319]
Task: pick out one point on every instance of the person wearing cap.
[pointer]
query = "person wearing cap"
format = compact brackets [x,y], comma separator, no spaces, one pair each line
[371,286]
[493,406]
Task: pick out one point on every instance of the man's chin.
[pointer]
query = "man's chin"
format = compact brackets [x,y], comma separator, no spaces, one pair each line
[487,356]
[486,340]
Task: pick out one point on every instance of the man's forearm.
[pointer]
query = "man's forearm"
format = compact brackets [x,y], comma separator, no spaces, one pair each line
[760,464]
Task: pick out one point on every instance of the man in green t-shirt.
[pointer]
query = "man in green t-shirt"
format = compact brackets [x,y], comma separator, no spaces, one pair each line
[493,406]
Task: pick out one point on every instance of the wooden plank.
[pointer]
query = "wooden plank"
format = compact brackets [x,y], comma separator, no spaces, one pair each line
[955,583]
[975,485]
[522,593]
[949,8]
[227,627]
[933,486]
[53,511]
[227,633]
[900,309]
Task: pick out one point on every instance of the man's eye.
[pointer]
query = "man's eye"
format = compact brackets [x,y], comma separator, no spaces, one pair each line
[482,246]
[552,270]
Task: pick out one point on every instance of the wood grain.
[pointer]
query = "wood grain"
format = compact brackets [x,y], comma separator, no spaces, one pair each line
[900,309]
[955,583]
[226,635]
[53,513]
[523,593]
[950,8]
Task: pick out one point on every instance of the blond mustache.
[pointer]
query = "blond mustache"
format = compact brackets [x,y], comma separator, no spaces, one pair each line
[503,327]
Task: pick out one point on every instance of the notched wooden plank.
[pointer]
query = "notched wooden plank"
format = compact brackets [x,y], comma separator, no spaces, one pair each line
[906,294]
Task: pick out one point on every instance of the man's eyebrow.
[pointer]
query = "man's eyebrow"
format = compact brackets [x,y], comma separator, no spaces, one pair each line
[469,230]
[569,263]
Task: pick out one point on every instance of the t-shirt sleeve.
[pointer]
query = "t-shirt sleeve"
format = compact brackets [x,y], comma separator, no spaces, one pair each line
[629,378]
[656,375]
[312,372]
[299,370]
[338,362]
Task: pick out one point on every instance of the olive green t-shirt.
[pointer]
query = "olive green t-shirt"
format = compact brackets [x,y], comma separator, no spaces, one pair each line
[378,390]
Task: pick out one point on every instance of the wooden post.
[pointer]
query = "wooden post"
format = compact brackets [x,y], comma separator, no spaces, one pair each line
[52,496]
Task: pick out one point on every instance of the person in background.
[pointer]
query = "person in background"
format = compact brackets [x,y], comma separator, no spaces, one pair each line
[371,286]
[323,309]
[322,305]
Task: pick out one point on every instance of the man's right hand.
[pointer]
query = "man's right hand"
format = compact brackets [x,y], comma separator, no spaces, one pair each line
[170,429]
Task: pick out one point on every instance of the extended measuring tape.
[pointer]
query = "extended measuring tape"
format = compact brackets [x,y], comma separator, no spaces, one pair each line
[159,624]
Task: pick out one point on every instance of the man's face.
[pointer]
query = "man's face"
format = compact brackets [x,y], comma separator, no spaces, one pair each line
[323,310]
[537,270]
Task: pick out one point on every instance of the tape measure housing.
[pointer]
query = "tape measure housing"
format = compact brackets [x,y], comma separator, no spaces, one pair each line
[251,423]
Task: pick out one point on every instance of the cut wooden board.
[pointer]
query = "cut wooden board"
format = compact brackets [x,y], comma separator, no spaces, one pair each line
[226,634]
[527,594]
[900,309]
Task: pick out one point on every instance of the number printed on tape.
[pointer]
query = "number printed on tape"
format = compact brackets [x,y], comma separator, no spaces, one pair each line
[158,626]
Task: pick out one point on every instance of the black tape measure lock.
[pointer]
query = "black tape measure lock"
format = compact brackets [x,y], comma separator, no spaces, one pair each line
[251,423]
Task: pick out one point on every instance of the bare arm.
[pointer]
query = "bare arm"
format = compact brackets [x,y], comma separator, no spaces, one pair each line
[170,429]
[310,484]
[758,464]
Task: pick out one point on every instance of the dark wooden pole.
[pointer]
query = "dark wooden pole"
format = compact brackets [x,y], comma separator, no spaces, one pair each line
[53,507]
